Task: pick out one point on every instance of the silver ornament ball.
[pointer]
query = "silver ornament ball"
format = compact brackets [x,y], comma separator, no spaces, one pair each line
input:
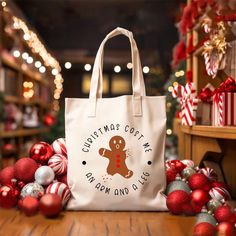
[33,190]
[44,175]
[187,172]
[177,185]
[213,204]
[205,217]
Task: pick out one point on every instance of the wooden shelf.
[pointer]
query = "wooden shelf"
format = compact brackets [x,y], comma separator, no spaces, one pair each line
[226,132]
[23,132]
[24,69]
[34,101]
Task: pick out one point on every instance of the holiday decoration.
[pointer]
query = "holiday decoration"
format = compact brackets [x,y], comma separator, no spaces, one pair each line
[25,169]
[59,146]
[199,181]
[62,179]
[177,185]
[226,229]
[188,102]
[204,229]
[50,205]
[215,49]
[171,175]
[175,200]
[29,205]
[176,165]
[58,163]
[44,175]
[61,190]
[33,190]
[205,217]
[219,193]
[8,196]
[187,172]
[41,152]
[223,111]
[223,213]
[199,197]
[210,173]
[213,204]
[49,120]
[6,175]
[188,163]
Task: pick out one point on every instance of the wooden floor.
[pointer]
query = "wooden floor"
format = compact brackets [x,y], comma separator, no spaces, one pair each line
[14,223]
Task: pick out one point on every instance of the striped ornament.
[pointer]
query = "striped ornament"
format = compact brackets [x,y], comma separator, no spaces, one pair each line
[209,173]
[220,194]
[188,163]
[188,101]
[61,190]
[58,163]
[59,146]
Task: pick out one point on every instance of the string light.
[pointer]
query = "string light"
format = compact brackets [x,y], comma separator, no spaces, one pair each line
[25,55]
[26,36]
[170,88]
[68,65]
[146,69]
[4,4]
[168,131]
[179,73]
[175,84]
[37,64]
[30,60]
[54,71]
[129,65]
[87,67]
[42,69]
[16,53]
[117,69]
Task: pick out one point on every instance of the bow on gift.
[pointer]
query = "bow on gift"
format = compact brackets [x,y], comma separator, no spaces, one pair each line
[229,85]
[206,93]
[188,101]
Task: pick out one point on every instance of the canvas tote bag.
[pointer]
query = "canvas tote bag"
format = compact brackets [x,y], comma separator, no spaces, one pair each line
[116,145]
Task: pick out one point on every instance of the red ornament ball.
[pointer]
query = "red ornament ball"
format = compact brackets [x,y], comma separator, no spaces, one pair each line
[199,181]
[171,174]
[41,152]
[187,209]
[175,164]
[223,213]
[218,184]
[226,229]
[50,205]
[8,196]
[49,120]
[6,175]
[199,197]
[175,200]
[29,205]
[62,179]
[233,218]
[25,169]
[204,229]
[19,204]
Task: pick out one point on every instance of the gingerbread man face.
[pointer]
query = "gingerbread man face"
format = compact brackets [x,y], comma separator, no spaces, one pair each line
[117,143]
[117,157]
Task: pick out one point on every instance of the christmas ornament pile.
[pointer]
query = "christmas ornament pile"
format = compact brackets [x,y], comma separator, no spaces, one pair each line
[196,191]
[38,182]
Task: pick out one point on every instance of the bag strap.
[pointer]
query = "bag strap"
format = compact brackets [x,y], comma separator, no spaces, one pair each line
[96,87]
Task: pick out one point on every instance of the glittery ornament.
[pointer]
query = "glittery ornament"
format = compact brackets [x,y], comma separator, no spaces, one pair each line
[205,217]
[187,172]
[213,204]
[44,175]
[177,185]
[41,152]
[33,190]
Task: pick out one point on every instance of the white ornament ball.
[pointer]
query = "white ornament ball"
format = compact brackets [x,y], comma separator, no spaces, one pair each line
[61,190]
[33,190]
[58,163]
[188,163]
[44,175]
[220,194]
[59,146]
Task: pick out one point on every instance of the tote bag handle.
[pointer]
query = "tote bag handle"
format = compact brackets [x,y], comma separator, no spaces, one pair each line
[138,86]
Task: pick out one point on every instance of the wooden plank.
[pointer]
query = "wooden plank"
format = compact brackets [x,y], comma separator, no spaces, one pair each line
[23,132]
[13,222]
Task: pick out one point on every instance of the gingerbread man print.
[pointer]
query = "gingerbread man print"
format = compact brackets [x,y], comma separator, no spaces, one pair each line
[117,157]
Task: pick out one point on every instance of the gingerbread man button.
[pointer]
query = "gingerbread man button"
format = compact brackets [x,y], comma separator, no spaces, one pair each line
[117,157]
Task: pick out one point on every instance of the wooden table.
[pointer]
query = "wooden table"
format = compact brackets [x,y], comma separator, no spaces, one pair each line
[14,223]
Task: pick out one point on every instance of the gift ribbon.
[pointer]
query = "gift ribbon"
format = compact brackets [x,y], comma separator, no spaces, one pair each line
[188,101]
[206,93]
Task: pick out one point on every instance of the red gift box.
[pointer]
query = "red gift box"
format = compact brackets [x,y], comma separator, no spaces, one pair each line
[224,104]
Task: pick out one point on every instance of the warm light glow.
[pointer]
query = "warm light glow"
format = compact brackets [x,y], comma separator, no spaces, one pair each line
[37,64]
[54,71]
[129,65]
[56,95]
[168,104]
[30,60]
[16,53]
[4,4]
[25,84]
[68,65]
[26,37]
[25,55]
[117,69]
[59,86]
[179,73]
[146,69]
[170,88]
[175,83]
[168,131]
[42,69]
[30,85]
[87,67]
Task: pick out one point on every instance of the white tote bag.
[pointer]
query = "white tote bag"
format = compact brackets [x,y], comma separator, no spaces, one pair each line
[116,145]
